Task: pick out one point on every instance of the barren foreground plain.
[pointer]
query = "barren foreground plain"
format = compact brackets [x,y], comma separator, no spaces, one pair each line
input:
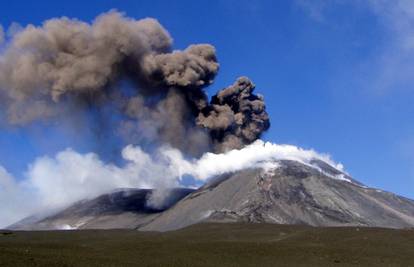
[211,245]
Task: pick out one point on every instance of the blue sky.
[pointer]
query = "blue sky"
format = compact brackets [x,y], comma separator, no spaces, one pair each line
[336,75]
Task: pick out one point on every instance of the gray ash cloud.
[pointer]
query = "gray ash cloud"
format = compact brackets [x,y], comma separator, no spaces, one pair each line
[236,116]
[47,71]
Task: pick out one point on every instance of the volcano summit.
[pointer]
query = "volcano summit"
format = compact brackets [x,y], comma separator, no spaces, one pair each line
[314,194]
[119,80]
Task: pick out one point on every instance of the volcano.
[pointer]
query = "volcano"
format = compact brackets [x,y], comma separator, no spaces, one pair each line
[315,194]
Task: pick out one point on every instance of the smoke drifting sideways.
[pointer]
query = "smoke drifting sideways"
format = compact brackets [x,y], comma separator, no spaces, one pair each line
[66,65]
[52,183]
[116,67]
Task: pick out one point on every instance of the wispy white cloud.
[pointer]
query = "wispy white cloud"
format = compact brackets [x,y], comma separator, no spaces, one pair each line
[391,66]
[1,34]
[13,29]
[314,8]
[396,62]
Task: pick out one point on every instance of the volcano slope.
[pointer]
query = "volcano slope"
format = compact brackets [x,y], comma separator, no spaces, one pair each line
[315,194]
[293,193]
[122,209]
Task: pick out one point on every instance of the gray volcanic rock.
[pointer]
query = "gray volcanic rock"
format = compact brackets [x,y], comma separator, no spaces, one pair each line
[124,208]
[314,194]
[294,193]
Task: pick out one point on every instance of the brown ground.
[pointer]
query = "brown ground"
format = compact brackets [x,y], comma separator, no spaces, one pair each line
[211,245]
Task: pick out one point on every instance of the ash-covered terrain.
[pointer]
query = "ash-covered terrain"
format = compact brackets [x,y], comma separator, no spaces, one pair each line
[120,85]
[292,193]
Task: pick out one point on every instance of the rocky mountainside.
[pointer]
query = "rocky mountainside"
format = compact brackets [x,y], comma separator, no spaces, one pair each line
[294,193]
[124,208]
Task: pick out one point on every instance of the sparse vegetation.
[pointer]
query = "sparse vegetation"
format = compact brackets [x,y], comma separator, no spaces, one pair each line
[211,245]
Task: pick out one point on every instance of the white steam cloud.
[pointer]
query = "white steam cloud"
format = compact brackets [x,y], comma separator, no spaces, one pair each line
[258,154]
[53,183]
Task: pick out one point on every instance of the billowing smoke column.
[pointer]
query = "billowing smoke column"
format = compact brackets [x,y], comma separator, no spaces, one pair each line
[66,64]
[123,68]
[236,116]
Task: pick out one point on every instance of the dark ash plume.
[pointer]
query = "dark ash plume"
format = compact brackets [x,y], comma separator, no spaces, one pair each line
[169,121]
[70,58]
[196,66]
[235,117]
[47,71]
